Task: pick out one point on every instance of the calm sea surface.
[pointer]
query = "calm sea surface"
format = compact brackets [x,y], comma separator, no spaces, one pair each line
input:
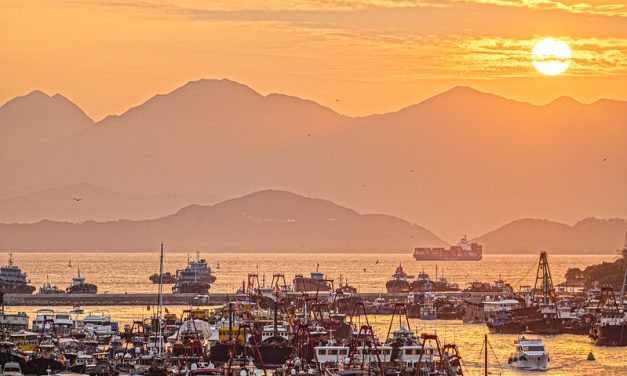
[129,272]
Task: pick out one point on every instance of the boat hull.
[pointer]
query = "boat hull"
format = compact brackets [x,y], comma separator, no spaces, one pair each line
[609,335]
[308,284]
[396,286]
[448,258]
[15,288]
[529,362]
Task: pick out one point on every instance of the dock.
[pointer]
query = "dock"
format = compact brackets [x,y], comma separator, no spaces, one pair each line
[137,299]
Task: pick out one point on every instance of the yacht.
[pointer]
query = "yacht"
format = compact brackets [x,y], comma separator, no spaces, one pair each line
[97,322]
[529,354]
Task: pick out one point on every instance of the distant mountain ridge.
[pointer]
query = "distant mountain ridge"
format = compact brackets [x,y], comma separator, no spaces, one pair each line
[84,201]
[34,120]
[272,220]
[460,162]
[262,221]
[591,235]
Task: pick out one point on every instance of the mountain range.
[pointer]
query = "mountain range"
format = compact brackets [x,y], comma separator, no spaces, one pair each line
[280,221]
[84,201]
[263,221]
[460,162]
[590,235]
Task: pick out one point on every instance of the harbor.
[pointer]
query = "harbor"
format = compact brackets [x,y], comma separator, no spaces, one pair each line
[310,323]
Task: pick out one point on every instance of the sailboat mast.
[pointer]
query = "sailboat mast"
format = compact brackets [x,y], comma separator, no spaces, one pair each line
[160,307]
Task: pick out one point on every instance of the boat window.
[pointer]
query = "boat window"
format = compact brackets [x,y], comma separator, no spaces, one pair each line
[333,352]
[322,352]
[534,348]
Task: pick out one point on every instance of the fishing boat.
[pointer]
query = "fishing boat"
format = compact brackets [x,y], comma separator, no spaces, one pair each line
[48,288]
[12,280]
[196,278]
[167,278]
[79,286]
[316,282]
[529,354]
[610,328]
[399,281]
[427,310]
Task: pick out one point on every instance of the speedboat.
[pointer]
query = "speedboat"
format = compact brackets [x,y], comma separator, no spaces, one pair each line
[530,354]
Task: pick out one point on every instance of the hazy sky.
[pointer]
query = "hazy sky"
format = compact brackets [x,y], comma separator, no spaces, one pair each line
[358,57]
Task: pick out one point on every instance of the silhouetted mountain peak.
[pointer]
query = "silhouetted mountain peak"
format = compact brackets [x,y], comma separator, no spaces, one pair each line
[564,100]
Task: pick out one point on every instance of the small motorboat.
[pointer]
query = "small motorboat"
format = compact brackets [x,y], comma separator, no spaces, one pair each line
[530,355]
[77,310]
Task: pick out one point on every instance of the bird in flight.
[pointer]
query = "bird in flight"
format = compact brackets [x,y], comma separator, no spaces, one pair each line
[76,199]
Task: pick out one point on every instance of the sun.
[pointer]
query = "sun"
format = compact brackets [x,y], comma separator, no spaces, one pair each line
[551,57]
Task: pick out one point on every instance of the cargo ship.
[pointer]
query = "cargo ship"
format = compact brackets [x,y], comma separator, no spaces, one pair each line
[463,251]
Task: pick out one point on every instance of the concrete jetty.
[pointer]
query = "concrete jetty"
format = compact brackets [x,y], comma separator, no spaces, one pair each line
[141,299]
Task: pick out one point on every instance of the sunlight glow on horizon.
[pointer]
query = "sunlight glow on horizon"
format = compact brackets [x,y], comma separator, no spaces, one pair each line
[376,56]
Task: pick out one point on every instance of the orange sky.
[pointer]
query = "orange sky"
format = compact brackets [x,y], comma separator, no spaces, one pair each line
[371,55]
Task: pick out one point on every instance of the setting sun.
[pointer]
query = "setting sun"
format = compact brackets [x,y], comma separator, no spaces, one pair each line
[551,57]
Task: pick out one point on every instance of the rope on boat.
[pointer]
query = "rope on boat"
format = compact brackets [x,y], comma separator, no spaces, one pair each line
[533,266]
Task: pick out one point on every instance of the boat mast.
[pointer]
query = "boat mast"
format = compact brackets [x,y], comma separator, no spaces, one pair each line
[485,355]
[622,292]
[543,274]
[160,306]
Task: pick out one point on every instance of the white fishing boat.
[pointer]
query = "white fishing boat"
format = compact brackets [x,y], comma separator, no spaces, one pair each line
[530,354]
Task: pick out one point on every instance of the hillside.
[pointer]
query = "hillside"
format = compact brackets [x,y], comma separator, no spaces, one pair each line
[262,221]
[590,235]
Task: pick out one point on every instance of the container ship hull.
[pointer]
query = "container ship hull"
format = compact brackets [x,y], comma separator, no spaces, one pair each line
[446,258]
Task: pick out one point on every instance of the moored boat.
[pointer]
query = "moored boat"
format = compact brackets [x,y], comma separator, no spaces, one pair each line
[529,354]
[196,278]
[79,286]
[12,280]
[398,282]
[316,282]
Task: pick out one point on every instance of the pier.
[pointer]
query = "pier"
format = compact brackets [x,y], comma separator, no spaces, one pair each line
[142,299]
